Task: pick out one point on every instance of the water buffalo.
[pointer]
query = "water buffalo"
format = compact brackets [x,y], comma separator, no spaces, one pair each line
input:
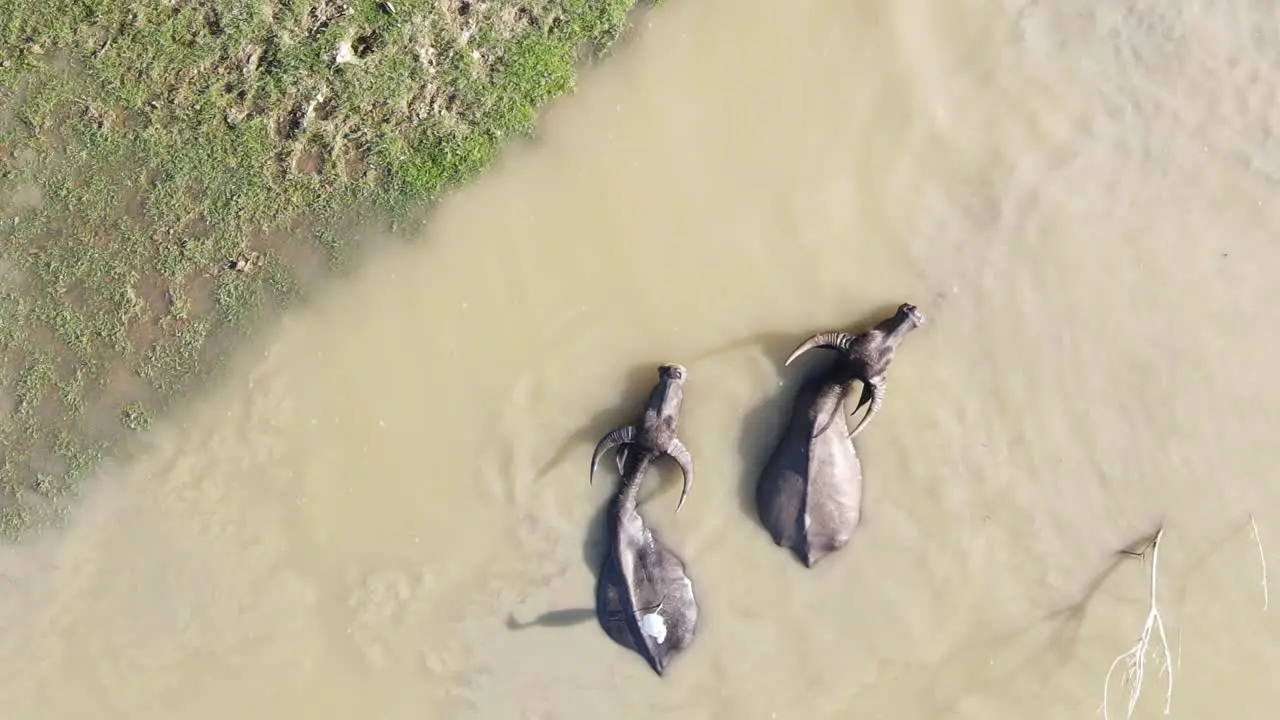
[644,598]
[809,495]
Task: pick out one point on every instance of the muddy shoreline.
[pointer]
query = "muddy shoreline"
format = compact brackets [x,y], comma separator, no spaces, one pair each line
[171,177]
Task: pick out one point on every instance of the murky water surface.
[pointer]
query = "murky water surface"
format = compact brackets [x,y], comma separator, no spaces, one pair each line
[374,515]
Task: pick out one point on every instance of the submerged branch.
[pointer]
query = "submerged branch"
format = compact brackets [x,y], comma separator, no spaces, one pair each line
[1136,656]
[1262,555]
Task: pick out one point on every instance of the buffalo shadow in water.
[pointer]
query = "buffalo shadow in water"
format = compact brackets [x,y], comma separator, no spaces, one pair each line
[763,425]
[636,386]
[554,618]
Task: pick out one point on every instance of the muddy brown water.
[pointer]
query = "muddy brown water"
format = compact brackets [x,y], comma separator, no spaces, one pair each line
[384,512]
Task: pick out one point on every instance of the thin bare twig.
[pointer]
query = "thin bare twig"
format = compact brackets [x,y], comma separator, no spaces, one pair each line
[1263,556]
[1136,657]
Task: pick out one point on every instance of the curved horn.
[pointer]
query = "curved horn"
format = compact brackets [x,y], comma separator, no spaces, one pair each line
[680,454]
[841,341]
[866,395]
[876,387]
[615,437]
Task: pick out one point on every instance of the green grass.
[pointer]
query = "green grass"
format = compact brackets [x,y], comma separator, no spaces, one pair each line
[147,147]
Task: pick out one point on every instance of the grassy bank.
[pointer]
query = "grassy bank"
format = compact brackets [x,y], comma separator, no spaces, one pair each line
[168,169]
